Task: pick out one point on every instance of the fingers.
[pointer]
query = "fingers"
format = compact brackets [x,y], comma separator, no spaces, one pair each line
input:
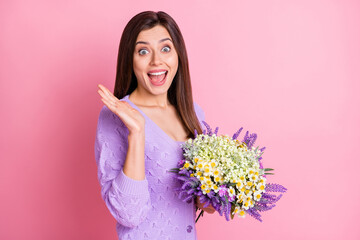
[108,104]
[209,210]
[107,98]
[107,94]
[113,103]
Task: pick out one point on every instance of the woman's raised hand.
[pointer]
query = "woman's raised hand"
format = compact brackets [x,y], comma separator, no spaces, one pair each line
[132,118]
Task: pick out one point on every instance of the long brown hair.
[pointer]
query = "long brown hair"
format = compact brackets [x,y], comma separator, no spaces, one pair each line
[179,93]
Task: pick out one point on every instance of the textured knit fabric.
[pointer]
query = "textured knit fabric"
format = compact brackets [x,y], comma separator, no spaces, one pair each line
[149,208]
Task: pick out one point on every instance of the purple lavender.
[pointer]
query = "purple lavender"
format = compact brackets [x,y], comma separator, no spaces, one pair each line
[223,190]
[216,130]
[235,136]
[208,128]
[221,201]
[181,163]
[274,187]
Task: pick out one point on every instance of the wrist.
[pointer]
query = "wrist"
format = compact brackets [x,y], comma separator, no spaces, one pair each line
[136,136]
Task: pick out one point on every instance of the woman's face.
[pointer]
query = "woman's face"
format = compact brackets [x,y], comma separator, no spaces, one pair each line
[155,61]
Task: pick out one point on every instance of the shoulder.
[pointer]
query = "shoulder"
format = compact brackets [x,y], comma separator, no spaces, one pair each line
[199,112]
[107,117]
[109,122]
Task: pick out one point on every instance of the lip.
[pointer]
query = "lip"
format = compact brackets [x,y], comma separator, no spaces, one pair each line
[157,70]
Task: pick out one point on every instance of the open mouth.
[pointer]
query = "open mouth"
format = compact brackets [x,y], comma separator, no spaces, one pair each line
[158,78]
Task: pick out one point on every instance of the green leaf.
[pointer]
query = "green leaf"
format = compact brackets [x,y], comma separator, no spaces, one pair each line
[175,169]
[269,173]
[268,169]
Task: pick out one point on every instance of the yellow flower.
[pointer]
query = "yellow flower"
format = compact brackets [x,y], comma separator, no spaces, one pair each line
[187,165]
[242,213]
[236,210]
[240,197]
[203,187]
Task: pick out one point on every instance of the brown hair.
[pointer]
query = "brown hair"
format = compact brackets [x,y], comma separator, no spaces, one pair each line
[179,93]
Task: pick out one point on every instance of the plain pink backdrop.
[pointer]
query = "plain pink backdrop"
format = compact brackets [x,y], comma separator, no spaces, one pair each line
[287,70]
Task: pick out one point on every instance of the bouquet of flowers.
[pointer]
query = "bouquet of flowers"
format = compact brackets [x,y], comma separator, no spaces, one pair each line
[226,173]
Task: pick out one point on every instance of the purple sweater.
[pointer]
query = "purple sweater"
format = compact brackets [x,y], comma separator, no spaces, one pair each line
[150,208]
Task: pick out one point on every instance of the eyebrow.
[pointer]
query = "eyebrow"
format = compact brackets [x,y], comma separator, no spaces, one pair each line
[160,41]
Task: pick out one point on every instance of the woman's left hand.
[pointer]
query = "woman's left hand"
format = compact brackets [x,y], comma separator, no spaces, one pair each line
[208,209]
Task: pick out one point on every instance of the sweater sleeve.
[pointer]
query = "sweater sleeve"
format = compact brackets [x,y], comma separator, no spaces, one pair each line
[128,200]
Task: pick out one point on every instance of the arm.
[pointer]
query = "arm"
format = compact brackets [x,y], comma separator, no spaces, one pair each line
[120,160]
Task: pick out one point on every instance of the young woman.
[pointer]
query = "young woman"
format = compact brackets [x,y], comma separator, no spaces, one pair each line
[140,130]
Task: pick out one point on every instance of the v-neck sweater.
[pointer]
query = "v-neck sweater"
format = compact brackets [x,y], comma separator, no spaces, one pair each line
[149,208]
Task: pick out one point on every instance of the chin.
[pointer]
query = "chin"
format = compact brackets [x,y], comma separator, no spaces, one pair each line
[158,90]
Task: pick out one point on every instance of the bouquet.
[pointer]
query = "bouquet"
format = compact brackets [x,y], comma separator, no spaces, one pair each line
[226,173]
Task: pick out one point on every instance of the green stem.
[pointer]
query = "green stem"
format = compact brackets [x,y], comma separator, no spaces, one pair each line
[201,213]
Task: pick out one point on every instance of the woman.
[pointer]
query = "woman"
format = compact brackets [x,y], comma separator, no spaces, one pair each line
[140,130]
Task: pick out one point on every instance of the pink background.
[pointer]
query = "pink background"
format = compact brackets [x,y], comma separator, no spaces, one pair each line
[287,70]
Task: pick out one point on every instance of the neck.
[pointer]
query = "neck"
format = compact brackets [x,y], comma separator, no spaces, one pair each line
[143,98]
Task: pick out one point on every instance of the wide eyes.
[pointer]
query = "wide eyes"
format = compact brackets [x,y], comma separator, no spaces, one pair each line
[144,51]
[167,49]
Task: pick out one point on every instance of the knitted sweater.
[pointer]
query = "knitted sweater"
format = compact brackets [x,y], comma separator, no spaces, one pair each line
[149,208]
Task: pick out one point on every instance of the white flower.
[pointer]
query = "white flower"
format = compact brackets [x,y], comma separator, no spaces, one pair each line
[257,195]
[260,187]
[215,188]
[231,191]
[246,205]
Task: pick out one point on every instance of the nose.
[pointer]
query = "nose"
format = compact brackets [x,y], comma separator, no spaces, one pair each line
[155,59]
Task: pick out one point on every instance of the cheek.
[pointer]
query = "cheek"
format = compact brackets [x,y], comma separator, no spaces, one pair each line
[139,67]
[173,61]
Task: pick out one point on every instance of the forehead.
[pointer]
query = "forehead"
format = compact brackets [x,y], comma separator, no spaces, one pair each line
[153,34]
